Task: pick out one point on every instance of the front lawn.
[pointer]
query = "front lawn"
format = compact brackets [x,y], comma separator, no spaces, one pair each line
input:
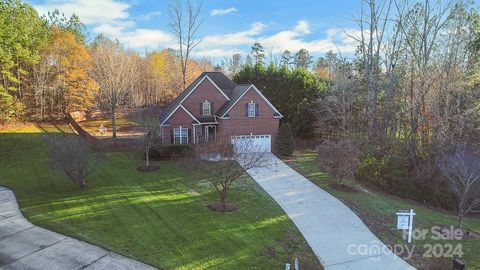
[378,209]
[159,218]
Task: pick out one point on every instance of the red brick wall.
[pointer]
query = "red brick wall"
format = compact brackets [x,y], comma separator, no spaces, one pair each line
[239,124]
[179,119]
[204,91]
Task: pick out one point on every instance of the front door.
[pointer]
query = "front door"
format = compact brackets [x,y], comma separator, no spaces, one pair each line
[210,133]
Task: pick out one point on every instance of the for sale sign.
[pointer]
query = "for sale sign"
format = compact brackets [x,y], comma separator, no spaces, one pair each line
[403,222]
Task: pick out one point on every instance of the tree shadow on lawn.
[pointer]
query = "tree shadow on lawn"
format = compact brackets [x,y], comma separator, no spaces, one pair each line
[160,218]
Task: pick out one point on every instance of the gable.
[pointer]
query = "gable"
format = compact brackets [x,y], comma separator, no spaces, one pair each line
[251,94]
[206,90]
[181,116]
[185,94]
[266,110]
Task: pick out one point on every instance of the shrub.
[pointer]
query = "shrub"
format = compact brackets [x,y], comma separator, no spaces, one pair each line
[338,158]
[166,151]
[372,170]
[285,140]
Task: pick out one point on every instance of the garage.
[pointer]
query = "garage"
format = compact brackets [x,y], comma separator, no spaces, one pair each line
[252,143]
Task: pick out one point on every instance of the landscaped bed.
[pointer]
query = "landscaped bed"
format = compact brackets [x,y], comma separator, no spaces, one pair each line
[159,217]
[378,209]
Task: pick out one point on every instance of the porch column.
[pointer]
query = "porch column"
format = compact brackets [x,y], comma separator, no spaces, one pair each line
[194,127]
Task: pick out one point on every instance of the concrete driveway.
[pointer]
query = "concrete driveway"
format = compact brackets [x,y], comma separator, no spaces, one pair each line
[26,246]
[336,234]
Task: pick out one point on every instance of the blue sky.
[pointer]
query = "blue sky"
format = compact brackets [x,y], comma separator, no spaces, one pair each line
[228,25]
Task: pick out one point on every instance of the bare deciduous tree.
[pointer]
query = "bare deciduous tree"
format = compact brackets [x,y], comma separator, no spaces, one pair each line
[462,169]
[115,70]
[233,64]
[42,77]
[335,112]
[148,122]
[226,163]
[373,22]
[74,156]
[184,24]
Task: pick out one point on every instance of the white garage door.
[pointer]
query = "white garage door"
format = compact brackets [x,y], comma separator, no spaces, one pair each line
[252,143]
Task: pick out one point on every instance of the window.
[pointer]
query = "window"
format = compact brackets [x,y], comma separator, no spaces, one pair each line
[180,135]
[251,109]
[206,108]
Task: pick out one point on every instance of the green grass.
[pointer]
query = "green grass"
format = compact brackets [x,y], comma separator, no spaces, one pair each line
[378,209]
[159,218]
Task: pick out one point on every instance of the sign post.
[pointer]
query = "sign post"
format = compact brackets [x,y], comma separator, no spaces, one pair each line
[405,222]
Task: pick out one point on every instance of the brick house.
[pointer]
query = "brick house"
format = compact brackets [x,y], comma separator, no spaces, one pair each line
[215,107]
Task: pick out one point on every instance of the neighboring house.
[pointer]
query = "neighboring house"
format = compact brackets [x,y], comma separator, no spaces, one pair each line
[214,107]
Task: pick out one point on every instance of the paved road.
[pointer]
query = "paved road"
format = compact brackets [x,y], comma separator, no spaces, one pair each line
[336,234]
[26,246]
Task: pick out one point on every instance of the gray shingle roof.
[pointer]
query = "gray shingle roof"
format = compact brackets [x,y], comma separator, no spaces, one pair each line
[237,92]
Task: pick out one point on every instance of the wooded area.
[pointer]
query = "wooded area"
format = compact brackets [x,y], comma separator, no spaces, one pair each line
[49,68]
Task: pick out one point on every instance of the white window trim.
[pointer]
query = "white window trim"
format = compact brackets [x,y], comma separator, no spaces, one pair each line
[251,110]
[179,135]
[206,107]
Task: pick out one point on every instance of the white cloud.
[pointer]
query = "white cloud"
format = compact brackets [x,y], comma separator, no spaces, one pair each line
[302,27]
[141,38]
[138,38]
[89,11]
[217,52]
[148,16]
[221,12]
[294,39]
[232,39]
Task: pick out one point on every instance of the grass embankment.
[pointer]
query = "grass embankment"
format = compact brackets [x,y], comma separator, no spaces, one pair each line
[378,209]
[159,218]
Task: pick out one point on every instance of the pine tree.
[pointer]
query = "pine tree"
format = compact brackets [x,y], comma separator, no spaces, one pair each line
[22,36]
[302,59]
[258,53]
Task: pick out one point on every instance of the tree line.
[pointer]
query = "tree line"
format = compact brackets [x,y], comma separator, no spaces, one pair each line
[49,67]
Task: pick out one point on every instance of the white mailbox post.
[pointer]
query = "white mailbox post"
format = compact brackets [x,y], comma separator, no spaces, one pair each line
[405,222]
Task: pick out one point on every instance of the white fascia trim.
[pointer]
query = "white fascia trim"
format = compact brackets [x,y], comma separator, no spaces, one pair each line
[191,91]
[191,115]
[236,101]
[261,95]
[268,102]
